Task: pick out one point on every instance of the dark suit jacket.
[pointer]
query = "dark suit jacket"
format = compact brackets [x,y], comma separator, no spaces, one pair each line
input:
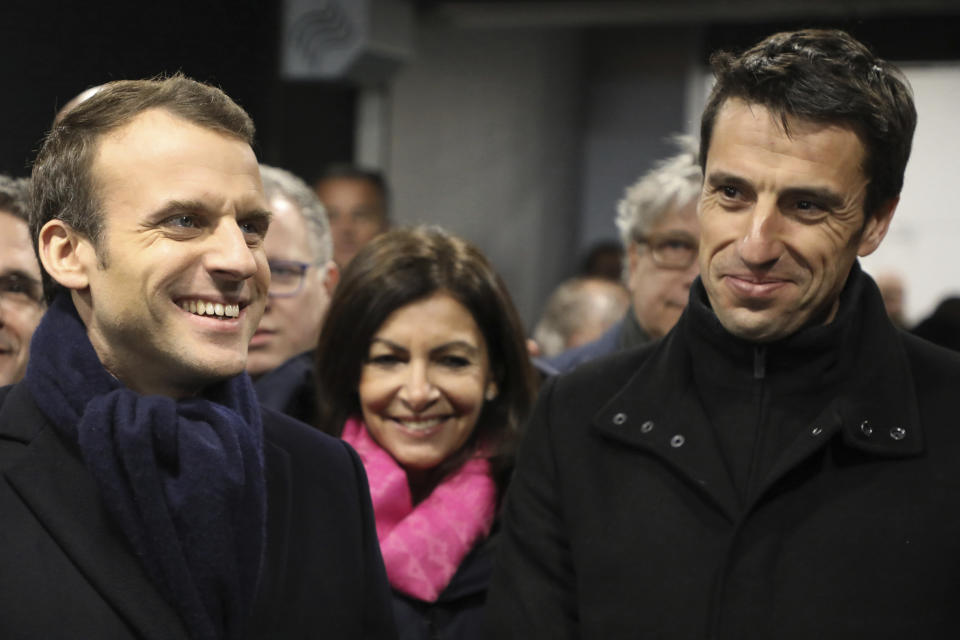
[66,571]
[291,388]
[623,521]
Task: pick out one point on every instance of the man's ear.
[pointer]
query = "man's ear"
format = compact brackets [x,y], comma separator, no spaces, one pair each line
[876,227]
[65,254]
[332,277]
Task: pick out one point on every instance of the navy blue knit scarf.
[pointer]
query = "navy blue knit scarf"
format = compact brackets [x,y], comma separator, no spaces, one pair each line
[182,478]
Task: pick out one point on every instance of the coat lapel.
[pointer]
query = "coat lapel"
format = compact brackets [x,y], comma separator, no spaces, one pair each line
[271,590]
[877,413]
[52,480]
[659,412]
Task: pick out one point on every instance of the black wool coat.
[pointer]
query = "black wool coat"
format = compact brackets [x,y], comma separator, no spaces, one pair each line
[66,571]
[624,519]
[458,612]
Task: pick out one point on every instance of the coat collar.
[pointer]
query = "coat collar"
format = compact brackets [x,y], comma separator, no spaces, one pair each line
[52,480]
[272,590]
[873,408]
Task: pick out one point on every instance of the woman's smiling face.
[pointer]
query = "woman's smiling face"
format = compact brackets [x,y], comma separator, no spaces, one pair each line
[425,380]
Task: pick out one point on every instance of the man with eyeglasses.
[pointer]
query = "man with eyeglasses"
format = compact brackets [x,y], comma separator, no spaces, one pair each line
[658,225]
[21,295]
[302,278]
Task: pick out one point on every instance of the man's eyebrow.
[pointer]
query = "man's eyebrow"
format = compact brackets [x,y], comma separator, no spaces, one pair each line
[176,207]
[173,207]
[716,178]
[826,197]
[674,234]
[823,195]
[260,215]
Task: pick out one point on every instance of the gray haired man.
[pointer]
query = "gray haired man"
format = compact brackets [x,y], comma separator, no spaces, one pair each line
[302,278]
[658,225]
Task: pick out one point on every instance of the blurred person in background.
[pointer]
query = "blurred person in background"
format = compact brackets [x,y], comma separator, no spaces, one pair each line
[579,311]
[657,219]
[604,259]
[358,206]
[302,278]
[423,369]
[21,292]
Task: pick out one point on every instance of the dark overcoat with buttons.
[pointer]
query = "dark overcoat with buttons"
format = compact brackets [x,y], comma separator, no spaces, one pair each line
[625,518]
[66,571]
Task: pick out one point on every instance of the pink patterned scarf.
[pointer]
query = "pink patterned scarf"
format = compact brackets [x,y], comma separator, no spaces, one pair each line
[423,545]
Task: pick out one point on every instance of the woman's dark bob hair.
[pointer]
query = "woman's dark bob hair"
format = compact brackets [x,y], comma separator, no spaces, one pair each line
[405,266]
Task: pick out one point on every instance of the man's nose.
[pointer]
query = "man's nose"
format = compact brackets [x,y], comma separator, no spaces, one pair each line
[761,244]
[228,254]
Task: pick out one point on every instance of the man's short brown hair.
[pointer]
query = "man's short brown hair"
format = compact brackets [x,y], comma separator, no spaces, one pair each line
[62,183]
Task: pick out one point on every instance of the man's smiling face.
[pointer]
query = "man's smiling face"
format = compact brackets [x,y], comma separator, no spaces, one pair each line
[21,305]
[178,284]
[782,220]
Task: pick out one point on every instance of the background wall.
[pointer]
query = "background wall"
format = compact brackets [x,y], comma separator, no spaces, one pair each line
[484,140]
[54,50]
[923,244]
[635,89]
[516,124]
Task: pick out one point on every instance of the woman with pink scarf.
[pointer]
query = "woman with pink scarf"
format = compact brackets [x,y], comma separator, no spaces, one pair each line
[422,367]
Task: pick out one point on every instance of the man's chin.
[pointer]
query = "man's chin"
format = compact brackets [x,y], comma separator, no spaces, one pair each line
[754,326]
[216,368]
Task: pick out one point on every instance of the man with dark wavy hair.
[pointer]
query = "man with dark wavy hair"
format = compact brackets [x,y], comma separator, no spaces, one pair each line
[144,492]
[783,463]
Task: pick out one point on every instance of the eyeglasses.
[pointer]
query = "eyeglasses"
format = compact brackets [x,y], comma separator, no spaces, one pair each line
[671,250]
[286,277]
[19,289]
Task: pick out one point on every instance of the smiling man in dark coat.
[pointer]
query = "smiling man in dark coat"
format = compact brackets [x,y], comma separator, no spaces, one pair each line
[784,463]
[143,491]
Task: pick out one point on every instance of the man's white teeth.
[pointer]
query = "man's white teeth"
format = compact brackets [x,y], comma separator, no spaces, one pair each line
[201,308]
